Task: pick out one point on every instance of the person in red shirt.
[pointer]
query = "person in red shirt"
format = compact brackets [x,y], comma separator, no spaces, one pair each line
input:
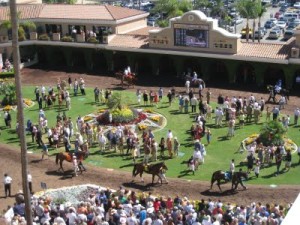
[169,203]
[156,205]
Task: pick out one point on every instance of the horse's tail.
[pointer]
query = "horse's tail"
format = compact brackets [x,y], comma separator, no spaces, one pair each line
[56,159]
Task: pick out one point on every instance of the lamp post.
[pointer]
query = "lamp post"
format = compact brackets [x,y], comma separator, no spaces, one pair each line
[20,114]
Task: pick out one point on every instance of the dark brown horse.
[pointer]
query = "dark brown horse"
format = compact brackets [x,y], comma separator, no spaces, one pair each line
[236,179]
[67,156]
[154,169]
[195,82]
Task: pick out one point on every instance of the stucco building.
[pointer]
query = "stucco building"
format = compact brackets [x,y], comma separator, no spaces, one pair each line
[192,42]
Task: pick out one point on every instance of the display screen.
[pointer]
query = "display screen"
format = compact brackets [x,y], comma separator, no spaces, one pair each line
[191,35]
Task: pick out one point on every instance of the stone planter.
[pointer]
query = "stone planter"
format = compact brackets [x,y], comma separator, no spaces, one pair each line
[80,37]
[33,35]
[3,39]
[105,39]
[56,36]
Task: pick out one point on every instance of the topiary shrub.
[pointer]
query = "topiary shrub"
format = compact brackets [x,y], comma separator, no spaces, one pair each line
[93,40]
[272,133]
[67,39]
[124,115]
[21,34]
[44,37]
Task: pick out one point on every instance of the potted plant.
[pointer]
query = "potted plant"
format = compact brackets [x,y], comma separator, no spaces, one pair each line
[5,27]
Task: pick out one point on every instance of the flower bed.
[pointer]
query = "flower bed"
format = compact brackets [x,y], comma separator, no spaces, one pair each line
[288,143]
[136,119]
[69,195]
[27,103]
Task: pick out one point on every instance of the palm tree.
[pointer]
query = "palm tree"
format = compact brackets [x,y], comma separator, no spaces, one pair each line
[260,9]
[201,4]
[20,117]
[245,8]
[171,8]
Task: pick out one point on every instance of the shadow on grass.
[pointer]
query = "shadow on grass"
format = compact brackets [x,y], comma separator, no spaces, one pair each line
[223,138]
[127,165]
[186,172]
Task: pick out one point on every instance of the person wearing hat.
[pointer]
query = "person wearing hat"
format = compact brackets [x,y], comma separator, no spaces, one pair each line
[296,116]
[7,185]
[176,146]
[75,165]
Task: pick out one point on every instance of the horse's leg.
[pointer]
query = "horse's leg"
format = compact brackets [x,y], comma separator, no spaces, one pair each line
[61,167]
[212,182]
[219,185]
[153,178]
[141,176]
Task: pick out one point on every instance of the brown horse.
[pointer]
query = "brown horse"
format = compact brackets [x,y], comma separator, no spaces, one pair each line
[154,169]
[128,80]
[236,179]
[67,156]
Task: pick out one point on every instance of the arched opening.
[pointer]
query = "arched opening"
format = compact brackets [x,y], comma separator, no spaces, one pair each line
[99,62]
[166,67]
[191,65]
[218,74]
[42,57]
[78,59]
[143,66]
[245,74]
[272,75]
[59,59]
[120,61]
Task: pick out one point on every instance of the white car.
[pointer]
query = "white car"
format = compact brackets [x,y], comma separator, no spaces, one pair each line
[274,34]
[274,20]
[281,24]
[297,5]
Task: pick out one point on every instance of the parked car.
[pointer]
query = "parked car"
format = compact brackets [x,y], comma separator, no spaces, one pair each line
[259,34]
[244,31]
[275,4]
[264,30]
[274,20]
[288,34]
[291,26]
[297,5]
[269,24]
[281,2]
[282,9]
[296,21]
[277,15]
[237,20]
[274,34]
[281,24]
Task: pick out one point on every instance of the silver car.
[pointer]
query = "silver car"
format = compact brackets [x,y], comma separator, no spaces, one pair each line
[274,34]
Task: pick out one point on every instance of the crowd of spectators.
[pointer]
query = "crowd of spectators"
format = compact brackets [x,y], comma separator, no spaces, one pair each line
[125,207]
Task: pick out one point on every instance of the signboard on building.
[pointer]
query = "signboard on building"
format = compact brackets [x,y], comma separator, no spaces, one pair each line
[190,35]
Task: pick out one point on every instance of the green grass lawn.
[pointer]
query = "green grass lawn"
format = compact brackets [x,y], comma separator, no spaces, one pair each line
[219,152]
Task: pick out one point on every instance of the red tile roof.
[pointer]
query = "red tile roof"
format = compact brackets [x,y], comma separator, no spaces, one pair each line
[265,50]
[129,41]
[63,11]
[25,11]
[143,31]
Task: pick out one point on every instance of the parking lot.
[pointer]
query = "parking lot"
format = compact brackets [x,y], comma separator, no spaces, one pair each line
[271,11]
